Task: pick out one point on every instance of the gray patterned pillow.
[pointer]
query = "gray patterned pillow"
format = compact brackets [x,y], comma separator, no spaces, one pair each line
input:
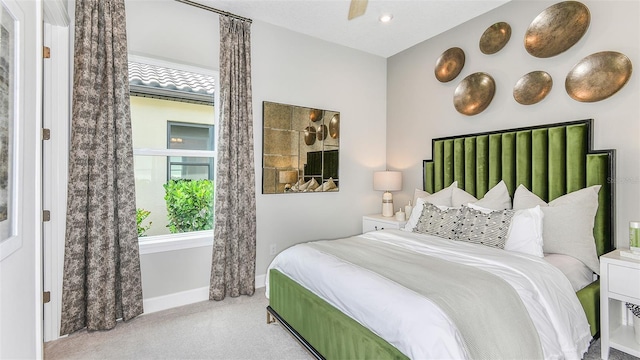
[442,223]
[490,229]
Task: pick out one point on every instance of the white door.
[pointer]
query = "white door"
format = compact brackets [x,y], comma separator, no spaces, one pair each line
[20,241]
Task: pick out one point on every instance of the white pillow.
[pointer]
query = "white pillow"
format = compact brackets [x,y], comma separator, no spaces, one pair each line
[312,184]
[568,223]
[326,186]
[442,199]
[579,274]
[497,198]
[417,194]
[525,231]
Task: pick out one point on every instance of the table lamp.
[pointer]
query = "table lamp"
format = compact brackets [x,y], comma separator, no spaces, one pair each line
[287,177]
[387,181]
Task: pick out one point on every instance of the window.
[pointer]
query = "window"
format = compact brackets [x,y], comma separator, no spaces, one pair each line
[173,128]
[192,137]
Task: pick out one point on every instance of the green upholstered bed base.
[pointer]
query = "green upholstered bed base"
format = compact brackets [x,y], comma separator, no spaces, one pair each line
[550,160]
[331,333]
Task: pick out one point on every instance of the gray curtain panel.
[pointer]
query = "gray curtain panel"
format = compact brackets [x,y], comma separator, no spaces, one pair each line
[101,264]
[234,243]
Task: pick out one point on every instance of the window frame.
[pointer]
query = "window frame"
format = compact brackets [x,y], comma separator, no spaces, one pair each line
[212,144]
[194,239]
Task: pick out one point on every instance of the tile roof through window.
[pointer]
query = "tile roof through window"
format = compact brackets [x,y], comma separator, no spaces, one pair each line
[157,81]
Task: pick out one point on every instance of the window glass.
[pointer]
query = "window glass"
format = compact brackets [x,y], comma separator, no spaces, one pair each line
[174,154]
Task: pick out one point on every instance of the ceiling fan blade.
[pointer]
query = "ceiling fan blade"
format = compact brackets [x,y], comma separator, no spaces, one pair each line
[357,8]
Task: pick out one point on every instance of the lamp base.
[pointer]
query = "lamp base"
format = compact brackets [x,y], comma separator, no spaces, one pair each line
[387,204]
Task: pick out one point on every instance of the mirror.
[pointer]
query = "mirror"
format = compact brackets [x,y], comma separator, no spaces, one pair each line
[300,149]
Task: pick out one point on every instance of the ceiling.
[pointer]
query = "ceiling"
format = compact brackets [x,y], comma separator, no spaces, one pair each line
[413,20]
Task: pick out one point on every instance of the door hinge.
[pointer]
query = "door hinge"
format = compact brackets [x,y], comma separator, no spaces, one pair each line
[46,297]
[46,52]
[46,134]
[46,215]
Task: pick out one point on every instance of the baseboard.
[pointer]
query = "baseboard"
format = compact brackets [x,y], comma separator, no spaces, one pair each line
[182,298]
[260,280]
[169,301]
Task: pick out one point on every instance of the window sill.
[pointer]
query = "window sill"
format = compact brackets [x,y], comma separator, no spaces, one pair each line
[164,243]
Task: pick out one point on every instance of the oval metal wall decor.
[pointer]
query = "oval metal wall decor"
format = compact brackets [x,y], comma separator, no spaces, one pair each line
[495,38]
[598,76]
[315,115]
[322,132]
[474,93]
[532,87]
[309,135]
[334,126]
[449,64]
[556,29]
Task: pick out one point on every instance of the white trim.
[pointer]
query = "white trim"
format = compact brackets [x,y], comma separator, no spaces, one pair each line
[261,281]
[56,113]
[173,152]
[55,13]
[187,297]
[165,302]
[163,243]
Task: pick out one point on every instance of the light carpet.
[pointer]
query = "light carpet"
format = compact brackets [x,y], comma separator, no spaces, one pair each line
[234,328]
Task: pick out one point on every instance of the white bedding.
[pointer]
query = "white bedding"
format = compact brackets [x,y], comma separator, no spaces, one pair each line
[416,326]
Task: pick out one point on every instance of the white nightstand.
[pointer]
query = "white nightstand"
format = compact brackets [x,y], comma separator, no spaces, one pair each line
[619,283]
[379,222]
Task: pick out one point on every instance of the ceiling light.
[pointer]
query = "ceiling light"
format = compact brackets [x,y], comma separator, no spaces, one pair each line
[385,18]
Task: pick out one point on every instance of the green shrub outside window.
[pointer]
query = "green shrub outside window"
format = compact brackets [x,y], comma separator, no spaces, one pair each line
[189,205]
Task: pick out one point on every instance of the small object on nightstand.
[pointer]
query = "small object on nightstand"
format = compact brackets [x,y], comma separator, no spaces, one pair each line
[634,236]
[630,254]
[407,210]
[400,215]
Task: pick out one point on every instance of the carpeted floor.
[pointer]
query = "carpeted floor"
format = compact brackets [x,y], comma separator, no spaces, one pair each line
[235,328]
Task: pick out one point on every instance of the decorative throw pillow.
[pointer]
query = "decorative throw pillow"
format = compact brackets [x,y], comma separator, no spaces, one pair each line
[297,185]
[327,185]
[489,229]
[525,231]
[441,198]
[313,184]
[568,223]
[497,198]
[434,221]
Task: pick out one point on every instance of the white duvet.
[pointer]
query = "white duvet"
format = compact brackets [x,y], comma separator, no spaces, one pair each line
[415,325]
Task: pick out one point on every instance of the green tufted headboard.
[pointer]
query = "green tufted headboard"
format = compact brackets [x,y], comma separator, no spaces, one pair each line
[550,160]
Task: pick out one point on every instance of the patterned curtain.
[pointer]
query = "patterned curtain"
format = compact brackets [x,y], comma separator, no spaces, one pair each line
[101,262]
[234,243]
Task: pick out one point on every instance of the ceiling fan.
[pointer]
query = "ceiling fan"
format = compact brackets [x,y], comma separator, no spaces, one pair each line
[357,8]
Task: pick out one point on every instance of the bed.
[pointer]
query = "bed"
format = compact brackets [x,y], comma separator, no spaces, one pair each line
[411,319]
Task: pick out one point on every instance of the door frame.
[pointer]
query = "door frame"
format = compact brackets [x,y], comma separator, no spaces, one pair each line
[55,153]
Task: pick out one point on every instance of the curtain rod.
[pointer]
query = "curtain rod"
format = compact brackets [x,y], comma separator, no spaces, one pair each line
[217,11]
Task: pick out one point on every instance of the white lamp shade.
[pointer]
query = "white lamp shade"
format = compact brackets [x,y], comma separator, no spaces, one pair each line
[387,180]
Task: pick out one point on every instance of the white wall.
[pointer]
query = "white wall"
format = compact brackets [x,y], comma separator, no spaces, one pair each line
[421,108]
[288,68]
[296,69]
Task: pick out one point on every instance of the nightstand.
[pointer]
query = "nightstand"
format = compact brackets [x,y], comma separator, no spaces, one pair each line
[379,222]
[619,283]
